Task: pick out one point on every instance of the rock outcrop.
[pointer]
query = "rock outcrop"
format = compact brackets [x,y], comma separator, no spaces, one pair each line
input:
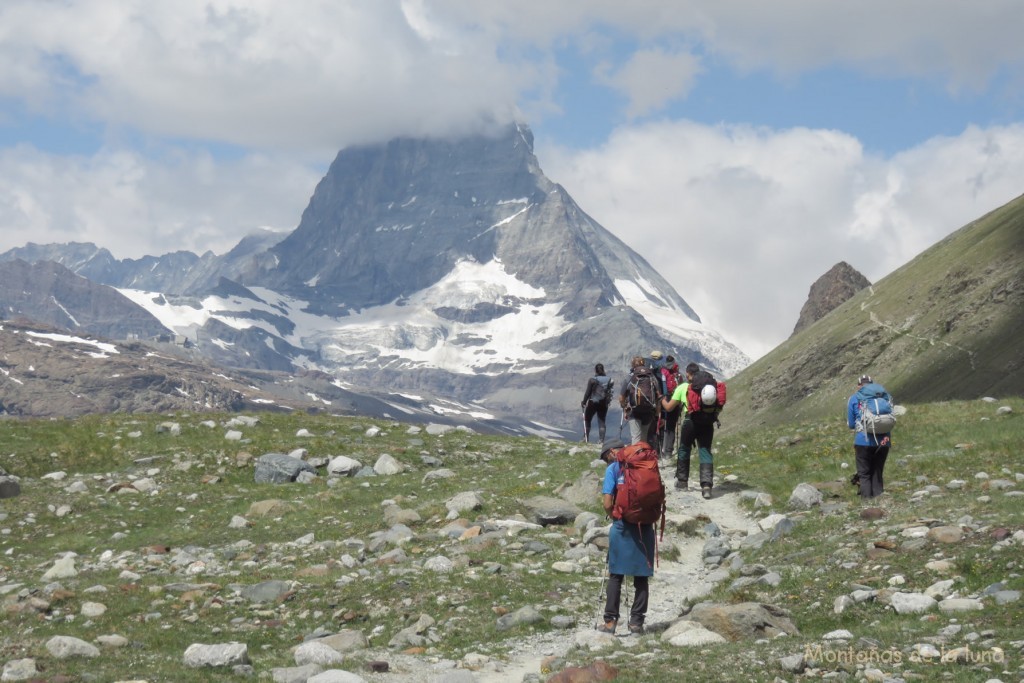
[830,290]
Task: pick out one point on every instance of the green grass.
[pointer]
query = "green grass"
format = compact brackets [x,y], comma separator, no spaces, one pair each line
[825,556]
[201,485]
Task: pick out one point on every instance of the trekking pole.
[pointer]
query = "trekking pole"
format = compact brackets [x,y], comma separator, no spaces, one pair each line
[622,421]
[602,597]
[586,427]
[679,433]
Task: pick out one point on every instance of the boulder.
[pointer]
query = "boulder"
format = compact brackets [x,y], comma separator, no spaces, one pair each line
[278,468]
[546,511]
[743,620]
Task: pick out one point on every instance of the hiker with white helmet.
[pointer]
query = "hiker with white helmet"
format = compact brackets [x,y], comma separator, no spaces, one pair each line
[703,402]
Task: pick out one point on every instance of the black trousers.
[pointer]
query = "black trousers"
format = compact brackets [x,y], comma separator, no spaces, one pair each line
[599,408]
[870,465]
[641,593]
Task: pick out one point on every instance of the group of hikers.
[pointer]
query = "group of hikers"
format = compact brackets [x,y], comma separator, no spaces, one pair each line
[657,401]
[655,398]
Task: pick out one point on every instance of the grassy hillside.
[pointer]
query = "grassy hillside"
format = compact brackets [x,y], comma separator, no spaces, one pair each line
[947,325]
[168,564]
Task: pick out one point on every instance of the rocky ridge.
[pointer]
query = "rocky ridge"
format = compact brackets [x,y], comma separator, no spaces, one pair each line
[51,294]
[46,372]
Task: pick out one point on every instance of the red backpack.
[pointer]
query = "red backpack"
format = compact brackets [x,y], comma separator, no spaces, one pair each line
[694,404]
[670,378]
[640,498]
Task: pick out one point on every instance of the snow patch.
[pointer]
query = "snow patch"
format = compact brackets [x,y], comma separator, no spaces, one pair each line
[104,348]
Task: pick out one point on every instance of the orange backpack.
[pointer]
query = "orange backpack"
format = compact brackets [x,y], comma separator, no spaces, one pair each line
[640,498]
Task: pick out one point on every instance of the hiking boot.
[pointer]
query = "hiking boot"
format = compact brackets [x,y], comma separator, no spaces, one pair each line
[636,629]
[707,478]
[607,627]
[680,485]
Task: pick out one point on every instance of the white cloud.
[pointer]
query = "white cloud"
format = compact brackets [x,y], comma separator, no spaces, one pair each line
[962,44]
[742,220]
[133,205]
[651,78]
[300,74]
[308,74]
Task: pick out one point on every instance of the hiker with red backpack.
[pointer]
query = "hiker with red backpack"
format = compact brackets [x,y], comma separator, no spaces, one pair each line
[704,399]
[634,497]
[656,365]
[670,418]
[640,399]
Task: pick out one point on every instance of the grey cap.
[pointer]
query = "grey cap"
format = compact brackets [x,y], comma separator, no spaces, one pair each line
[611,444]
[865,379]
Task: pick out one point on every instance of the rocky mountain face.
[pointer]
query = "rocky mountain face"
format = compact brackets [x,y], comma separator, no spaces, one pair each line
[47,292]
[426,267]
[830,290]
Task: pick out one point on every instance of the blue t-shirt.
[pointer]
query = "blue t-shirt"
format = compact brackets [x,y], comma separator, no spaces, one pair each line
[612,478]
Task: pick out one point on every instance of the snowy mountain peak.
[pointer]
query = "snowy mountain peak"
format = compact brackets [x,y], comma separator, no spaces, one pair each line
[454,266]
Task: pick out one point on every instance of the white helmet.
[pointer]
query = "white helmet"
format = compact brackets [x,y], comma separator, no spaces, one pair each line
[709,395]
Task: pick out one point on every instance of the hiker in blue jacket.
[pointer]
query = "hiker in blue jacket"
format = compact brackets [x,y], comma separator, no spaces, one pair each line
[870,448]
[630,551]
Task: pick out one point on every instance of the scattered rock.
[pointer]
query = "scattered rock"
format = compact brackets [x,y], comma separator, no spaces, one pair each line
[522,616]
[67,647]
[199,655]
[911,603]
[743,620]
[19,670]
[278,468]
[946,534]
[545,510]
[387,465]
[690,634]
[9,487]
[804,497]
[317,652]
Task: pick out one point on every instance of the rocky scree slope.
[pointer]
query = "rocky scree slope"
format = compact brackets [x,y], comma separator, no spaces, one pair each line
[342,569]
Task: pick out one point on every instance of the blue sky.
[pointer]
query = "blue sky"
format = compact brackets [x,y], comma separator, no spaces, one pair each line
[886,113]
[772,139]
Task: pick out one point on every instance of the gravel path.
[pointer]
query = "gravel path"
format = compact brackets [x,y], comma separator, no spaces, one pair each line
[674,583]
